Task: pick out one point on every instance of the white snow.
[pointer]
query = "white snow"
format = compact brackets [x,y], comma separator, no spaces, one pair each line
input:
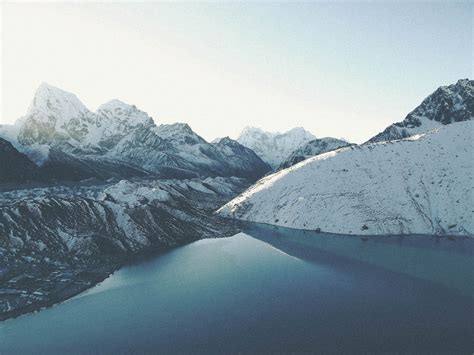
[274,148]
[132,194]
[421,185]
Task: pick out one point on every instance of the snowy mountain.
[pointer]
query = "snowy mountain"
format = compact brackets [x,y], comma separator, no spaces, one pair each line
[60,131]
[312,148]
[274,148]
[58,119]
[448,104]
[419,185]
[15,166]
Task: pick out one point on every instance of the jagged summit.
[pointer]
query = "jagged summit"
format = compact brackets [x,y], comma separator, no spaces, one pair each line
[446,105]
[116,110]
[114,104]
[179,132]
[225,140]
[274,147]
[50,99]
[59,131]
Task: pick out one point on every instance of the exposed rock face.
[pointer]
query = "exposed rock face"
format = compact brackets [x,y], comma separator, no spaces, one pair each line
[58,241]
[312,148]
[448,104]
[274,148]
[15,167]
[239,158]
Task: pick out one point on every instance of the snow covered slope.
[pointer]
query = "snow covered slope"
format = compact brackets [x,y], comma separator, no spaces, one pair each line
[274,148]
[423,184]
[448,104]
[312,148]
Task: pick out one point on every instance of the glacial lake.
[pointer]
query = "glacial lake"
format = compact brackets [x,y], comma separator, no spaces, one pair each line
[270,289]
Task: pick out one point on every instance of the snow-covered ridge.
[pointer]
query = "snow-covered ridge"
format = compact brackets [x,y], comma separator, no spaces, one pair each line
[179,132]
[420,185]
[58,122]
[274,148]
[312,148]
[446,105]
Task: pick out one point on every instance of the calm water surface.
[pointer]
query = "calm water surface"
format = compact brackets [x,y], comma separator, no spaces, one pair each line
[270,290]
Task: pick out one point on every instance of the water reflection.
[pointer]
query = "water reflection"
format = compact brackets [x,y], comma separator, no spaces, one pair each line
[446,261]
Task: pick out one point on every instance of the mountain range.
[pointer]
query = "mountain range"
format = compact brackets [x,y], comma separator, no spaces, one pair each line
[82,192]
[60,133]
[274,148]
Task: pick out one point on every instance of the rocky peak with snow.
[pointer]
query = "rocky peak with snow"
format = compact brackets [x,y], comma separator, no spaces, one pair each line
[60,132]
[55,117]
[116,111]
[274,148]
[179,133]
[312,148]
[116,120]
[50,100]
[226,141]
[448,104]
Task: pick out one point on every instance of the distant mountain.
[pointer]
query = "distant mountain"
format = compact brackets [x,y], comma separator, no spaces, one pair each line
[14,166]
[240,158]
[274,148]
[418,185]
[118,140]
[312,148]
[448,104]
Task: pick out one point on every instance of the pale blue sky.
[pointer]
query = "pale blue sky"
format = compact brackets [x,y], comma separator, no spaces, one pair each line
[337,69]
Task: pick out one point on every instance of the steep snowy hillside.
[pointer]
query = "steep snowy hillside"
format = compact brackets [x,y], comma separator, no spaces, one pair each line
[274,148]
[312,148]
[423,184]
[448,104]
[60,132]
[15,167]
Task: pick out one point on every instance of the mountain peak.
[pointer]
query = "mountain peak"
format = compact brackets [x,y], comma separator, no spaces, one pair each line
[226,141]
[250,129]
[274,147]
[116,104]
[180,132]
[464,82]
[447,104]
[51,99]
[118,112]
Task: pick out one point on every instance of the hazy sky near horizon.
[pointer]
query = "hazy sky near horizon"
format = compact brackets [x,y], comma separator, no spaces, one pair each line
[337,69]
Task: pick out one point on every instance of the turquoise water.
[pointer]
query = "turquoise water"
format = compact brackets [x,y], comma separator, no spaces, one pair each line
[270,289]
